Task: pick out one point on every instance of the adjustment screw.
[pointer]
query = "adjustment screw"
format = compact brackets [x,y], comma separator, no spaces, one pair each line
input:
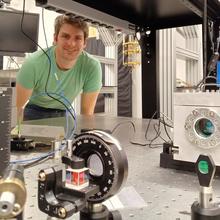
[62,212]
[42,176]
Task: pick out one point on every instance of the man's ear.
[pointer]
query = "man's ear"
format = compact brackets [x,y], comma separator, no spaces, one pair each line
[85,43]
[54,39]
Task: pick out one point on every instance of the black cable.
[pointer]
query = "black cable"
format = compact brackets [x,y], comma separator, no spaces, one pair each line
[165,128]
[210,28]
[133,125]
[124,122]
[146,144]
[164,122]
[48,94]
[158,132]
[13,60]
[204,79]
[149,125]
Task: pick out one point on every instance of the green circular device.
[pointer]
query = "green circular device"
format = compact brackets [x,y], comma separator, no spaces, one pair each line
[204,127]
[203,167]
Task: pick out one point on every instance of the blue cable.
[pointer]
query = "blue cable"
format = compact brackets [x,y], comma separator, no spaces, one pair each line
[39,157]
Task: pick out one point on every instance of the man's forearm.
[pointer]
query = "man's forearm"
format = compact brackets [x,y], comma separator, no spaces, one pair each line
[88,102]
[20,113]
[22,98]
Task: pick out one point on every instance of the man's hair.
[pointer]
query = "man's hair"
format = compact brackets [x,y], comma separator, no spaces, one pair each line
[76,22]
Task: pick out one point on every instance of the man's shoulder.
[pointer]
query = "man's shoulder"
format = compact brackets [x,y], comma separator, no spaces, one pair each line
[89,58]
[37,57]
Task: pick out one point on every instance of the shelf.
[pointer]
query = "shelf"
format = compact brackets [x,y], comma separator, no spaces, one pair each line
[187,53]
[108,90]
[108,61]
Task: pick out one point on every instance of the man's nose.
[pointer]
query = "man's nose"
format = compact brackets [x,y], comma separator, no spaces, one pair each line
[72,42]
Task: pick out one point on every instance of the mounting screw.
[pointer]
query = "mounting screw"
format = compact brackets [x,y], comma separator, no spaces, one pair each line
[62,212]
[16,209]
[42,176]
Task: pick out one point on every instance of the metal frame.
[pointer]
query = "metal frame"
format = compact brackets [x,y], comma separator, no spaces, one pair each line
[91,15]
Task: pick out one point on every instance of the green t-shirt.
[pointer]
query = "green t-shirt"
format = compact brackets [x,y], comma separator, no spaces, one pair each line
[85,76]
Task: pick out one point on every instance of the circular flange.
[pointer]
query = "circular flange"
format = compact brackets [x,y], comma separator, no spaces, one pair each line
[202,127]
[106,161]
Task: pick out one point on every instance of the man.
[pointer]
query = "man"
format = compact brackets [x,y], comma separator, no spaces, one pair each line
[48,79]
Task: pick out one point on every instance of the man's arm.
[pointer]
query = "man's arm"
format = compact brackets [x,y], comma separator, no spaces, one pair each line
[88,101]
[22,96]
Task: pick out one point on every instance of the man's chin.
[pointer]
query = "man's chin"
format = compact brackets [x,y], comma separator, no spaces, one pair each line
[70,57]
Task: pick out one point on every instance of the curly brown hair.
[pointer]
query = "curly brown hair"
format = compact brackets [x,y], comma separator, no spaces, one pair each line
[76,22]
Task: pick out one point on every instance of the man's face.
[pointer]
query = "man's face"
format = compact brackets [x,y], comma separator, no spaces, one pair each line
[70,42]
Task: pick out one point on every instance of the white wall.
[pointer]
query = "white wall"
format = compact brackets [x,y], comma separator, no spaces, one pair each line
[180,61]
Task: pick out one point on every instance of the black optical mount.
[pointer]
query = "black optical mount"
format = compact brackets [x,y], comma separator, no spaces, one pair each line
[205,209]
[87,183]
[58,201]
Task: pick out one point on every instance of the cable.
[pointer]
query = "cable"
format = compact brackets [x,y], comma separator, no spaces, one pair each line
[37,162]
[145,135]
[199,85]
[164,116]
[165,128]
[13,60]
[158,132]
[210,27]
[166,125]
[39,158]
[125,122]
[45,36]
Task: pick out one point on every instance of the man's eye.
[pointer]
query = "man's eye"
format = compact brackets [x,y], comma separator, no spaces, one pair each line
[65,36]
[79,38]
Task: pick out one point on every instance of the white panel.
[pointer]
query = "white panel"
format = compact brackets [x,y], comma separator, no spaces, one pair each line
[181,46]
[136,92]
[166,70]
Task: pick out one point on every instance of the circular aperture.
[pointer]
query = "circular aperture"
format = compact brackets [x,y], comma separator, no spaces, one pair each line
[95,165]
[204,127]
[106,160]
[4,208]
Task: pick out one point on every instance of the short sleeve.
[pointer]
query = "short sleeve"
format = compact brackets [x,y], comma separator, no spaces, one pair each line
[26,75]
[93,80]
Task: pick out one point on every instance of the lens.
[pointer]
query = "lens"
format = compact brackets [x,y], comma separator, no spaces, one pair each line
[204,127]
[95,165]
